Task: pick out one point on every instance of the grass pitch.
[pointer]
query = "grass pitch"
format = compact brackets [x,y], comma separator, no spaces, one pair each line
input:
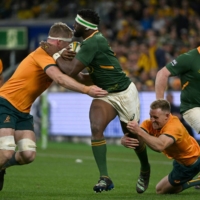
[55,175]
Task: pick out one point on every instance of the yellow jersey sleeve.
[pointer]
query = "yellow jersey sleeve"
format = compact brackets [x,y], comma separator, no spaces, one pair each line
[1,66]
[185,148]
[29,80]
[42,59]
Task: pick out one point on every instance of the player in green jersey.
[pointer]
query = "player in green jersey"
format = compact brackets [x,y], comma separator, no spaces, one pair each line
[105,71]
[186,66]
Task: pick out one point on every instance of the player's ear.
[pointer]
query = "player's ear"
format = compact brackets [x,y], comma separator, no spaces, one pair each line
[58,42]
[167,115]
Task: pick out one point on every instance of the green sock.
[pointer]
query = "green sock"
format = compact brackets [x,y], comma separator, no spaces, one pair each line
[99,150]
[11,162]
[142,155]
[191,183]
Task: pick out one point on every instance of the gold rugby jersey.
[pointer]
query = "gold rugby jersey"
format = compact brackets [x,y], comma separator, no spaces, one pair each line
[28,81]
[185,148]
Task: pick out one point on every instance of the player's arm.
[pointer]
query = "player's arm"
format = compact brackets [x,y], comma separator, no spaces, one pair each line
[65,60]
[74,69]
[71,68]
[156,143]
[64,80]
[161,82]
[84,78]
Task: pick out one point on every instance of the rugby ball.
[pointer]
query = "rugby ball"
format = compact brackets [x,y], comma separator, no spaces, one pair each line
[75,46]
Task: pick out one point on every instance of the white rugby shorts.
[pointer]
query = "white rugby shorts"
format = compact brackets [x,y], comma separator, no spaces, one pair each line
[126,103]
[192,117]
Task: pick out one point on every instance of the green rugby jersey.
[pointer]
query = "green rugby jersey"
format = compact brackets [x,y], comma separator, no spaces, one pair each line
[187,67]
[102,64]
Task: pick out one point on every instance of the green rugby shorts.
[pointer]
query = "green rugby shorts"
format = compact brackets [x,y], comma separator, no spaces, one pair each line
[10,117]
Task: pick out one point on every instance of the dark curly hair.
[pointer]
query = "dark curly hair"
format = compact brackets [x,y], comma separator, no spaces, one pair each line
[89,15]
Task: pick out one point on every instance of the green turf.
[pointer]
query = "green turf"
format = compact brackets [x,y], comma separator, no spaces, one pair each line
[54,175]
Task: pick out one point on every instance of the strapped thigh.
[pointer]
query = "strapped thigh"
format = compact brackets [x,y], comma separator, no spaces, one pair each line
[7,143]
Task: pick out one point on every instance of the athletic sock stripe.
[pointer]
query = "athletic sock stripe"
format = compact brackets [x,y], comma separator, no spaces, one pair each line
[194,180]
[103,142]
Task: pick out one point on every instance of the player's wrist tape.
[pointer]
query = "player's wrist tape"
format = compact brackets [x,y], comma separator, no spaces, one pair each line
[86,89]
[56,56]
[60,52]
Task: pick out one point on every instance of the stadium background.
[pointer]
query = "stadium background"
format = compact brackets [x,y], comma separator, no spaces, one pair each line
[145,35]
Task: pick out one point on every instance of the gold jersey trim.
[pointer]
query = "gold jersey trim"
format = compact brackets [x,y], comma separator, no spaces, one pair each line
[106,67]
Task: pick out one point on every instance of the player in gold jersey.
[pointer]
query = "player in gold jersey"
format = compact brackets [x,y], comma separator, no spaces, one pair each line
[164,132]
[1,71]
[32,77]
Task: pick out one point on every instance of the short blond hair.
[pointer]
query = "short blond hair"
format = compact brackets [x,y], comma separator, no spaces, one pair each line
[60,29]
[163,104]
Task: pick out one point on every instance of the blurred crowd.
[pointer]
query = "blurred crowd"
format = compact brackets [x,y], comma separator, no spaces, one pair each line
[144,34]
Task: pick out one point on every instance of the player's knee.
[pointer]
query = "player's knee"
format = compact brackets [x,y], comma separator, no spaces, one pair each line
[96,130]
[7,147]
[7,143]
[27,156]
[27,149]
[161,188]
[6,156]
[158,190]
[26,145]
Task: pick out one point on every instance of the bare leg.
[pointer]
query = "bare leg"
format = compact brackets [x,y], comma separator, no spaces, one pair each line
[101,113]
[164,187]
[25,156]
[5,153]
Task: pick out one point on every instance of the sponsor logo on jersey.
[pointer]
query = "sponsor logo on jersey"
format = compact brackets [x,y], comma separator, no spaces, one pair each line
[177,181]
[7,120]
[112,88]
[174,62]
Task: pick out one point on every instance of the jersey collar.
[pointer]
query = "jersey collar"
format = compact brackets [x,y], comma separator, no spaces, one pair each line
[91,35]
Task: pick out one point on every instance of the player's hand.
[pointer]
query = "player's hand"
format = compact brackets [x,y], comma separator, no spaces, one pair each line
[95,91]
[128,142]
[67,54]
[133,126]
[49,48]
